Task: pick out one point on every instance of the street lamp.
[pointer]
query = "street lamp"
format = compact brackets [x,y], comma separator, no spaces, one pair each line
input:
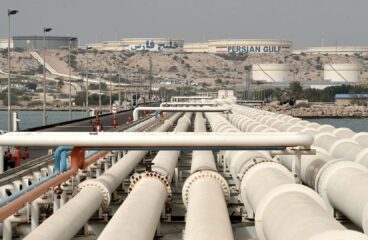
[70,77]
[87,48]
[119,95]
[45,30]
[10,12]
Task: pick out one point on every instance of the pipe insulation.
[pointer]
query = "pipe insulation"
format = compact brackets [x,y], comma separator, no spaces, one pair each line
[148,193]
[342,184]
[179,109]
[283,209]
[204,194]
[93,195]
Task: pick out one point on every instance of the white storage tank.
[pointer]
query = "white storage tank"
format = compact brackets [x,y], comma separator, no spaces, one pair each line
[270,72]
[342,72]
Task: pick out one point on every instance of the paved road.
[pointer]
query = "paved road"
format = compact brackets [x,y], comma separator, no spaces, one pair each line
[85,125]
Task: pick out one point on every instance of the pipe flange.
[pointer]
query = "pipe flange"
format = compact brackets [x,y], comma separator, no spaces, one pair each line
[135,178]
[101,187]
[204,174]
[249,164]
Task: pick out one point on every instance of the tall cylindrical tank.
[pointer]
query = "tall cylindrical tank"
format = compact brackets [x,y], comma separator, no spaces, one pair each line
[342,72]
[270,72]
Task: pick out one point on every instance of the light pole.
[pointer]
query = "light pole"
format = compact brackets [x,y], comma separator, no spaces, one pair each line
[10,12]
[110,89]
[70,78]
[87,48]
[45,30]
[119,95]
[99,94]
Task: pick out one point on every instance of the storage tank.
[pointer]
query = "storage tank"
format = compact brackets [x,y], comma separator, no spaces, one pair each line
[342,72]
[270,72]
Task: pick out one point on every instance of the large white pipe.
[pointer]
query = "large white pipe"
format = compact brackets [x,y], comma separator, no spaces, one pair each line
[204,194]
[267,188]
[93,195]
[179,109]
[144,204]
[342,184]
[140,140]
[166,104]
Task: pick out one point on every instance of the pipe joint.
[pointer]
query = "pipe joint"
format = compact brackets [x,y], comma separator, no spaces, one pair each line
[135,178]
[204,174]
[92,183]
[251,163]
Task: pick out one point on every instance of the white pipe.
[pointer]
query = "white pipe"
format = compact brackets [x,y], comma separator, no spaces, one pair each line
[179,109]
[144,204]
[188,104]
[93,194]
[20,217]
[204,194]
[139,140]
[283,209]
[35,209]
[343,185]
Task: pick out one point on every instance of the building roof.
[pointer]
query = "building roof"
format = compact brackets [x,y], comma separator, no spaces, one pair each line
[352,96]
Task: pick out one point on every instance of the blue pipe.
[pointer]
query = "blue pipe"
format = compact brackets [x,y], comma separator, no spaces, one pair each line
[60,165]
[60,159]
[14,196]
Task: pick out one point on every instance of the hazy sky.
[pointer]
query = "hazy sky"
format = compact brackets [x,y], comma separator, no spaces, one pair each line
[305,22]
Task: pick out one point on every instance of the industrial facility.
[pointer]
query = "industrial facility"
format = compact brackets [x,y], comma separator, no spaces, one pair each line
[337,50]
[249,46]
[51,42]
[271,73]
[197,168]
[152,44]
[342,72]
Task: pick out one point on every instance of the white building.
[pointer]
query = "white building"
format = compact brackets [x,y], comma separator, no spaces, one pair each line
[4,43]
[250,46]
[152,44]
[107,46]
[337,50]
[196,47]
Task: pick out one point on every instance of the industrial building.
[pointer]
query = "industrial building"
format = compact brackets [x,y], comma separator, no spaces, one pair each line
[4,43]
[51,42]
[346,99]
[107,46]
[152,44]
[250,46]
[336,50]
[196,47]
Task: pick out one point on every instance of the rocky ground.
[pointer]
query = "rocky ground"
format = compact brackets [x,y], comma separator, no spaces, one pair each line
[321,111]
[201,67]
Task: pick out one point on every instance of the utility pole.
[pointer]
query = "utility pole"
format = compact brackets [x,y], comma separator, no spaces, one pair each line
[70,78]
[110,89]
[45,30]
[10,12]
[150,79]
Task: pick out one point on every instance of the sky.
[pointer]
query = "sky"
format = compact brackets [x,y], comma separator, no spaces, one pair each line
[306,22]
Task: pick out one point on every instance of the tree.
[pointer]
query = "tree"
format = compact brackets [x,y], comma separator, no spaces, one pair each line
[295,89]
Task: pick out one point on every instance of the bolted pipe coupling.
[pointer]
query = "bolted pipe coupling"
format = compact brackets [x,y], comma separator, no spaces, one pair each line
[135,178]
[92,183]
[204,174]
